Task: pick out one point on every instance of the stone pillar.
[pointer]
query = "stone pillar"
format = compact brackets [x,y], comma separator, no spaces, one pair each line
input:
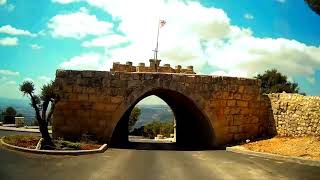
[152,64]
[158,63]
[178,69]
[141,67]
[141,64]
[115,66]
[190,69]
[129,63]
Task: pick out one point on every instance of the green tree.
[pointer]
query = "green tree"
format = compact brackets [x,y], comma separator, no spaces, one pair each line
[19,115]
[275,82]
[314,5]
[10,111]
[151,130]
[8,115]
[133,118]
[40,104]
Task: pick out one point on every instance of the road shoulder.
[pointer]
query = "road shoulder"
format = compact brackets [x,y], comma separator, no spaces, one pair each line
[238,149]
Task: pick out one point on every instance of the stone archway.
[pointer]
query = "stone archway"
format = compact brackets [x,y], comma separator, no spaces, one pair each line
[227,109]
[193,127]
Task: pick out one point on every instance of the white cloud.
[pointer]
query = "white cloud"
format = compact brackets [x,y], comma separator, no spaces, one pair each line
[203,37]
[9,72]
[44,78]
[8,29]
[105,41]
[10,89]
[10,7]
[35,46]
[8,41]
[28,79]
[65,1]
[88,61]
[2,2]
[12,82]
[248,16]
[78,25]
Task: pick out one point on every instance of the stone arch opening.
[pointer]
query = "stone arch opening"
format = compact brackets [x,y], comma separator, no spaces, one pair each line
[155,117]
[193,128]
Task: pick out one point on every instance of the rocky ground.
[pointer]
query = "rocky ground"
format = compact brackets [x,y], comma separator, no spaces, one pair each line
[306,147]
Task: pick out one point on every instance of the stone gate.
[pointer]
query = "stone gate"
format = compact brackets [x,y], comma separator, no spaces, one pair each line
[209,110]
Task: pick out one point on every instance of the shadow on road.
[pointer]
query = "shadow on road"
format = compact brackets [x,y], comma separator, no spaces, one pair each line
[163,146]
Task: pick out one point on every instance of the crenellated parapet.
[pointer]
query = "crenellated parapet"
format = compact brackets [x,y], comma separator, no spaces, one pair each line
[153,67]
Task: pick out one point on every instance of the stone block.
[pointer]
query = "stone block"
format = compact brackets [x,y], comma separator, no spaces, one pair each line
[238,119]
[237,96]
[241,89]
[247,97]
[116,99]
[245,111]
[67,89]
[242,103]
[88,74]
[231,103]
[190,79]
[233,129]
[227,95]
[94,98]
[110,107]
[134,83]
[83,97]
[254,120]
[235,110]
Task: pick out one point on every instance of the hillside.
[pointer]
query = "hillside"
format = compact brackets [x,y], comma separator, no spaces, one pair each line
[20,105]
[151,113]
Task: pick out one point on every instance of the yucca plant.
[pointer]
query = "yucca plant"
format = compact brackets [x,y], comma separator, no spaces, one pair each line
[40,103]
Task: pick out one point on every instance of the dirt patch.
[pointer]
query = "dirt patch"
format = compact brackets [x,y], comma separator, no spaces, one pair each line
[26,141]
[89,146]
[31,141]
[306,147]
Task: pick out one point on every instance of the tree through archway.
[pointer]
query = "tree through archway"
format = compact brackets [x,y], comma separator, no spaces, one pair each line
[152,121]
[193,129]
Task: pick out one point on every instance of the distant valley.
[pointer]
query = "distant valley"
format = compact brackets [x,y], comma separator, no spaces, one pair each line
[149,113]
[21,106]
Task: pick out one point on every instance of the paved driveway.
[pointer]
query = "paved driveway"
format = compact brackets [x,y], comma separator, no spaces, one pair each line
[149,164]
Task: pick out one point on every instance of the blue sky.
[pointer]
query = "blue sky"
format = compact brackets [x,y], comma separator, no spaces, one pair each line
[217,37]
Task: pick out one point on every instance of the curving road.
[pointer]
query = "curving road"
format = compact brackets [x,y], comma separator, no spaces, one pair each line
[149,164]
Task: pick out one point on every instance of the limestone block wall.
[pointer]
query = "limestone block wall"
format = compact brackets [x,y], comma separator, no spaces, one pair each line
[294,114]
[94,102]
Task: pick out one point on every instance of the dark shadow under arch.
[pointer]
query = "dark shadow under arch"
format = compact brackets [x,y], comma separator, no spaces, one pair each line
[193,128]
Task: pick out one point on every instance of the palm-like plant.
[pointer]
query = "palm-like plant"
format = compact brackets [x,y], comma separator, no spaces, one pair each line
[40,105]
[314,5]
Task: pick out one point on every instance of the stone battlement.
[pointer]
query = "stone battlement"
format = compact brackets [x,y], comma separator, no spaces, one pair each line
[154,67]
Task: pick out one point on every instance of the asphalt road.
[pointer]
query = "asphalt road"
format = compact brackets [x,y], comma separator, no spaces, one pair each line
[134,164]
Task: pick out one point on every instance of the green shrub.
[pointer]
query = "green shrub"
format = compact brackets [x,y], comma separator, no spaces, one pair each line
[62,144]
[156,127]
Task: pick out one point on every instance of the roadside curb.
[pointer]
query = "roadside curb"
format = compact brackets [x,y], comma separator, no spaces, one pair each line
[299,160]
[21,130]
[102,149]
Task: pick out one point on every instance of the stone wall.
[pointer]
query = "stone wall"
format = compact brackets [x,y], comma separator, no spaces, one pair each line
[95,101]
[294,115]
